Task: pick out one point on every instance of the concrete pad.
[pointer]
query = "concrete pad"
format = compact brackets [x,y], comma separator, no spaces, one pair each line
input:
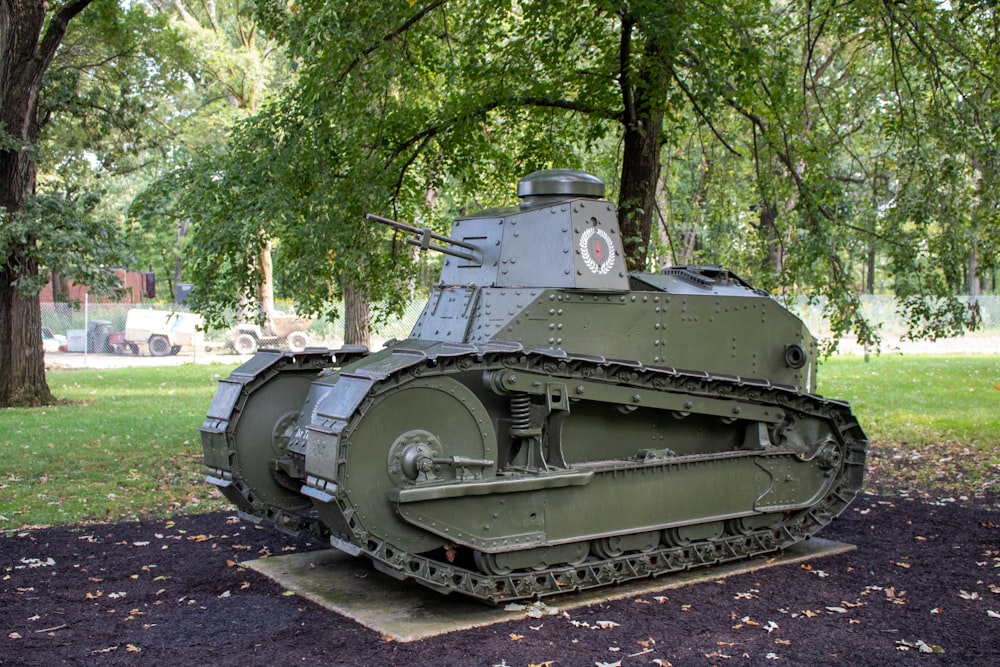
[406,611]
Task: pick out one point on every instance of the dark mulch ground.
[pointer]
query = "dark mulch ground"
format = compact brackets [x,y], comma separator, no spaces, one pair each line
[922,587]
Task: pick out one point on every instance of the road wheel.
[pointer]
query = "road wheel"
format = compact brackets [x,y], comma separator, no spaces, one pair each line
[159,346]
[245,344]
[297,341]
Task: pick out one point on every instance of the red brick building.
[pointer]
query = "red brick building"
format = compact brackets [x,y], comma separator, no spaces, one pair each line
[138,286]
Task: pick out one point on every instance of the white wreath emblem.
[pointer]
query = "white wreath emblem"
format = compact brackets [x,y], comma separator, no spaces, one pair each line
[605,266]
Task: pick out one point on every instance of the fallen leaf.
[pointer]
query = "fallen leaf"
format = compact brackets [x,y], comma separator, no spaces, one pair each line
[516,637]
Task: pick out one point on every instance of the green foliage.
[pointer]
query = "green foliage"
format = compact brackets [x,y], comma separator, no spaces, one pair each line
[230,68]
[799,139]
[66,236]
[97,108]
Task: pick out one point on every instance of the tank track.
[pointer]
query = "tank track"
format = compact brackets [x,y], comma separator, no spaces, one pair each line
[230,401]
[448,359]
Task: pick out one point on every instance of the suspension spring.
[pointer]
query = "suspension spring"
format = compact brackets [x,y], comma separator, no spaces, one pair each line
[520,413]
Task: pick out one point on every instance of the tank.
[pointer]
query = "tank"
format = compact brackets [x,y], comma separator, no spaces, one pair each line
[553,423]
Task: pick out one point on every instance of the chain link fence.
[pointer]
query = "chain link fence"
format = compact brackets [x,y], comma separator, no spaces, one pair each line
[102,328]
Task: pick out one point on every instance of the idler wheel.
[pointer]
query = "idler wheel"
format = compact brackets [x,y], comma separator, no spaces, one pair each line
[487,564]
[409,435]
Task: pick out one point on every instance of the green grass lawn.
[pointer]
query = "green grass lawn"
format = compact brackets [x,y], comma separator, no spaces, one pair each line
[124,443]
[934,420]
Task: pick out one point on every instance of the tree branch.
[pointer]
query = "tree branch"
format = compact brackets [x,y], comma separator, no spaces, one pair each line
[514,101]
[409,23]
[56,31]
[625,69]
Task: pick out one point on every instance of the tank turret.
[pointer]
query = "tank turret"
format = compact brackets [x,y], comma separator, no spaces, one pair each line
[551,273]
[552,423]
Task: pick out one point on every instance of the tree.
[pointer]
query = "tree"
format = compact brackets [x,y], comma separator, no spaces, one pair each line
[28,43]
[230,66]
[74,88]
[800,150]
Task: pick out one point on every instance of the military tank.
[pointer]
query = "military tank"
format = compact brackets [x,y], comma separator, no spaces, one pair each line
[553,422]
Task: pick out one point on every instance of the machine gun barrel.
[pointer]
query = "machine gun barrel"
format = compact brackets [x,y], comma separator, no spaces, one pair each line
[423,238]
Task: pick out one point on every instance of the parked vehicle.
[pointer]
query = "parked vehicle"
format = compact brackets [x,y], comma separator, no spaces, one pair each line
[163,331]
[283,331]
[52,342]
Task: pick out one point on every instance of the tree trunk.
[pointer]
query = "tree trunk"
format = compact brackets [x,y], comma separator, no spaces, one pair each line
[25,54]
[637,198]
[870,278]
[643,122]
[60,288]
[975,286]
[266,288]
[22,362]
[357,317]
[769,226]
